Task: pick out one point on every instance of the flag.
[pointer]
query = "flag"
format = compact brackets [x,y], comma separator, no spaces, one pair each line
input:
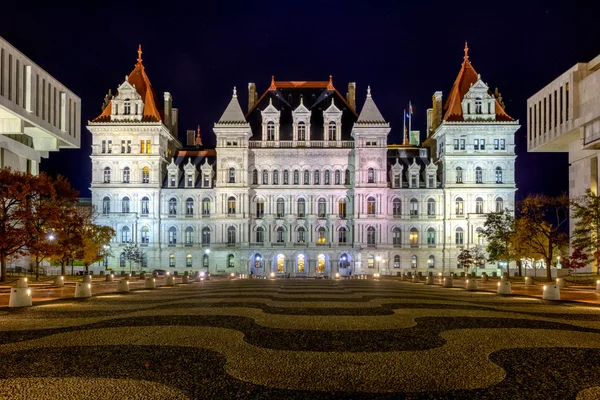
[410,110]
[408,115]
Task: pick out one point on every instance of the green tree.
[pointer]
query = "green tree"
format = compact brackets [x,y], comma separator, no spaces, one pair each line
[466,259]
[586,213]
[499,231]
[133,254]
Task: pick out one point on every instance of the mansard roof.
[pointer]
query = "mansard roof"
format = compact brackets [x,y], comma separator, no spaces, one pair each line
[409,155]
[466,77]
[316,96]
[370,114]
[196,158]
[140,80]
[233,113]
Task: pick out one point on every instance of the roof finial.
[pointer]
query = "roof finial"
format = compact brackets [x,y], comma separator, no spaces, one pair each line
[234,93]
[369,91]
[330,84]
[272,87]
[466,51]
[198,141]
[139,59]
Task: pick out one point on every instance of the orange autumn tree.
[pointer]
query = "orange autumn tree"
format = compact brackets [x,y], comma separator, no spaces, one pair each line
[14,196]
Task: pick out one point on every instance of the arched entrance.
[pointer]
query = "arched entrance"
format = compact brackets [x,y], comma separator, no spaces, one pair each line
[257,266]
[279,264]
[345,265]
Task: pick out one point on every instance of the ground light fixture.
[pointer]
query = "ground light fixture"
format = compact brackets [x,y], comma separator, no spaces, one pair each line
[337,275]
[272,274]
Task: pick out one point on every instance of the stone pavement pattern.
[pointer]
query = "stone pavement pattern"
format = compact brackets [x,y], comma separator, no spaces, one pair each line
[300,339]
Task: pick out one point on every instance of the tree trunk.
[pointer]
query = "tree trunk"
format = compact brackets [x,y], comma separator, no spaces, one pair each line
[548,271]
[2,267]
[87,269]
[519,266]
[37,269]
[63,268]
[508,268]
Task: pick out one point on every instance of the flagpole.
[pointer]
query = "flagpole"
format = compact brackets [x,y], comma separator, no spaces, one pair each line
[409,118]
[404,129]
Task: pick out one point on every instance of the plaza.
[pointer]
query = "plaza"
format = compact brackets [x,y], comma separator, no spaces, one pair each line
[302,338]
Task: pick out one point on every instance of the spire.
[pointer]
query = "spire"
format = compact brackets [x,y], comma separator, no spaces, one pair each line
[370,113]
[139,59]
[466,57]
[234,93]
[330,84]
[233,113]
[198,140]
[272,87]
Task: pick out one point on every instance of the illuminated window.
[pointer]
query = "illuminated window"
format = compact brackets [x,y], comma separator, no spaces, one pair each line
[172,260]
[231,235]
[320,264]
[301,131]
[431,237]
[145,175]
[459,206]
[371,206]
[431,262]
[321,235]
[300,261]
[231,205]
[370,261]
[188,261]
[413,262]
[413,237]
[280,263]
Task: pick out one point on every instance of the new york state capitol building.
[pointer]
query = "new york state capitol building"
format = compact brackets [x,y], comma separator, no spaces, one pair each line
[304,183]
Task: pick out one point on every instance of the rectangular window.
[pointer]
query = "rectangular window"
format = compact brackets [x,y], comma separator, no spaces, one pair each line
[476,144]
[496,144]
[122,147]
[413,181]
[459,237]
[396,180]
[535,121]
[555,109]
[482,144]
[544,116]
[109,146]
[561,105]
[455,144]
[502,144]
[190,181]
[530,122]
[206,181]
[142,146]
[129,146]
[462,144]
[431,180]
[103,146]
[567,101]
[173,181]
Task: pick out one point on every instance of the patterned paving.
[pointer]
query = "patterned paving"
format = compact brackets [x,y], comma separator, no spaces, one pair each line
[301,339]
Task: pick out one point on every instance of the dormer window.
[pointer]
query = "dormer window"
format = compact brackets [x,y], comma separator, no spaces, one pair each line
[270,131]
[232,175]
[332,130]
[173,181]
[127,107]
[301,131]
[478,106]
[413,181]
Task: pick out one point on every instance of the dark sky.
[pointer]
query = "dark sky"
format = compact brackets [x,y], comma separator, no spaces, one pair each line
[405,50]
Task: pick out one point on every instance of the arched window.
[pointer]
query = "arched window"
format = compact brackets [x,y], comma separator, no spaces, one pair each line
[286,177]
[397,236]
[189,206]
[498,175]
[414,207]
[206,206]
[371,235]
[321,264]
[231,205]
[430,207]
[347,177]
[270,130]
[106,175]
[499,204]
[296,177]
[321,235]
[280,208]
[413,237]
[145,175]
[106,205]
[125,205]
[280,263]
[258,261]
[479,205]
[371,206]
[172,235]
[370,175]
[230,261]
[370,261]
[171,260]
[172,206]
[125,235]
[459,206]
[344,261]
[479,235]
[431,262]
[188,261]
[126,175]
[478,175]
[276,177]
[260,208]
[337,177]
[189,235]
[301,131]
[280,235]
[301,208]
[145,235]
[413,261]
[300,263]
[342,208]
[231,175]
[231,235]
[396,261]
[332,130]
[301,235]
[205,236]
[307,177]
[396,207]
[205,261]
[342,235]
[260,235]
[430,237]
[321,208]
[327,179]
[459,175]
[265,177]
[317,179]
[255,177]
[145,206]
[460,236]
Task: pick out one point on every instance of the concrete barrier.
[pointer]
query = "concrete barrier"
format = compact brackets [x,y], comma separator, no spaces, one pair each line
[471,284]
[185,279]
[150,283]
[123,286]
[415,279]
[484,277]
[561,283]
[528,281]
[447,282]
[59,281]
[84,289]
[504,287]
[170,281]
[429,280]
[142,276]
[598,286]
[551,292]
[20,295]
[109,278]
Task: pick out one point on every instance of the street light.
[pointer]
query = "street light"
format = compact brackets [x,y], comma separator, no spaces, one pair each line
[378,258]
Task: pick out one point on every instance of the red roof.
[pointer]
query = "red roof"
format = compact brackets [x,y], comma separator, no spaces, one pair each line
[139,79]
[467,76]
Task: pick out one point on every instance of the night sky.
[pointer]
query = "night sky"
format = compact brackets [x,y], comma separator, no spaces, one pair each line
[405,50]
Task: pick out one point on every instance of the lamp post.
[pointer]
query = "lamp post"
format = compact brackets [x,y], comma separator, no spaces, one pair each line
[106,247]
[378,258]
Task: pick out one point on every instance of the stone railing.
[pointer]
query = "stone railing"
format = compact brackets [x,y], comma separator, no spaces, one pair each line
[347,144]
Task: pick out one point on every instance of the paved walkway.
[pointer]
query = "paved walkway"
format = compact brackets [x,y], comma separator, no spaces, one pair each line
[300,339]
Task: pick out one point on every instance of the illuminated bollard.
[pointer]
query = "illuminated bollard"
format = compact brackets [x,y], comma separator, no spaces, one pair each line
[528,281]
[337,275]
[142,276]
[272,275]
[59,281]
[504,287]
[20,295]
[561,283]
[504,277]
[232,275]
[598,285]
[150,283]
[551,292]
[429,280]
[84,289]
[170,280]
[471,284]
[447,281]
[185,279]
[484,277]
[123,286]
[403,277]
[155,274]
[109,278]
[415,279]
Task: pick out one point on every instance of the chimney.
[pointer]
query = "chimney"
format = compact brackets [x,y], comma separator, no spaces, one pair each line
[251,95]
[191,135]
[174,121]
[167,110]
[351,95]
[436,118]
